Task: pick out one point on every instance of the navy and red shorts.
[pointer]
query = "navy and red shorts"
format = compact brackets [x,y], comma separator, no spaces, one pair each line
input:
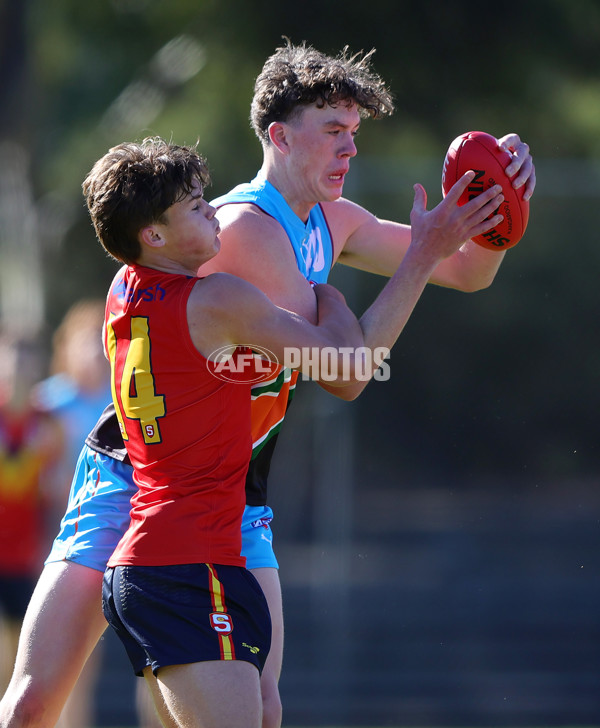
[175,615]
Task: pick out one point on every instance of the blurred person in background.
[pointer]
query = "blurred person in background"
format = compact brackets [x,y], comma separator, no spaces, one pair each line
[30,443]
[78,387]
[75,393]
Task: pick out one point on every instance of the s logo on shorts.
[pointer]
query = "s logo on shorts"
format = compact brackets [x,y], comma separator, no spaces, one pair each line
[221,622]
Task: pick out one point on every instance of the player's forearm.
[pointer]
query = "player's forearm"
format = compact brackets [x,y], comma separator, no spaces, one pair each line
[470,269]
[342,390]
[337,324]
[383,322]
[335,352]
[378,328]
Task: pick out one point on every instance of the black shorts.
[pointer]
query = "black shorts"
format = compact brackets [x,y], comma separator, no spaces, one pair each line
[15,593]
[175,615]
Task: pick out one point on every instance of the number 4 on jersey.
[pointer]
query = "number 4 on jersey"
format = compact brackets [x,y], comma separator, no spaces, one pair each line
[138,398]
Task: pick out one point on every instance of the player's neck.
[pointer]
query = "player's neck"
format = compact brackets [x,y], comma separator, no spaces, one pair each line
[168,265]
[288,186]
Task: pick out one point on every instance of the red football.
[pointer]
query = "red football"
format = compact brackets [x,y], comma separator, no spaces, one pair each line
[480,152]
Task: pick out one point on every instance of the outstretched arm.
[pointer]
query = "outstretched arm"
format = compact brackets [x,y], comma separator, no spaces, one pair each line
[378,246]
[226,311]
[435,236]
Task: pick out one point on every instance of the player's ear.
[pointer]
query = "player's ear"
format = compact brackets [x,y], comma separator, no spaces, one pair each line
[278,136]
[151,236]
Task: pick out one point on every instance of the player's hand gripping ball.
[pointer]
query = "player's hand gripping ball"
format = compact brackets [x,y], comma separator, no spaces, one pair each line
[481,152]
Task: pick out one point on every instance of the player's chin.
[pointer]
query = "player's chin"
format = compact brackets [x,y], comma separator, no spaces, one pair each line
[216,244]
[333,191]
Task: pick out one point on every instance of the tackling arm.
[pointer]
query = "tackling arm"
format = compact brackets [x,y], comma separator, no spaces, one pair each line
[435,236]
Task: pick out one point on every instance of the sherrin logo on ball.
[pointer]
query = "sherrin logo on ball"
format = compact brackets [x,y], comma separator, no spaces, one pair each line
[481,152]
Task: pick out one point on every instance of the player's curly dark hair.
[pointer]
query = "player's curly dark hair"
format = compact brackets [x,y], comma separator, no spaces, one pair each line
[296,76]
[133,185]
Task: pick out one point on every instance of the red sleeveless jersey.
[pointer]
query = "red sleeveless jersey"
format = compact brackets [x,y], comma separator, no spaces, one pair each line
[186,431]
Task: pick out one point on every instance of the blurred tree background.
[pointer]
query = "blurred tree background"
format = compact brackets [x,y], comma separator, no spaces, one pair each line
[497,389]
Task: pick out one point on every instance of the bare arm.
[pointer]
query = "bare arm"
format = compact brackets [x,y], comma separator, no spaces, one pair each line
[224,310]
[378,246]
[435,236]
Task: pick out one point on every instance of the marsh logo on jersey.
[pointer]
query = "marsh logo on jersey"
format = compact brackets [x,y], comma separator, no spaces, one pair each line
[119,288]
[243,365]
